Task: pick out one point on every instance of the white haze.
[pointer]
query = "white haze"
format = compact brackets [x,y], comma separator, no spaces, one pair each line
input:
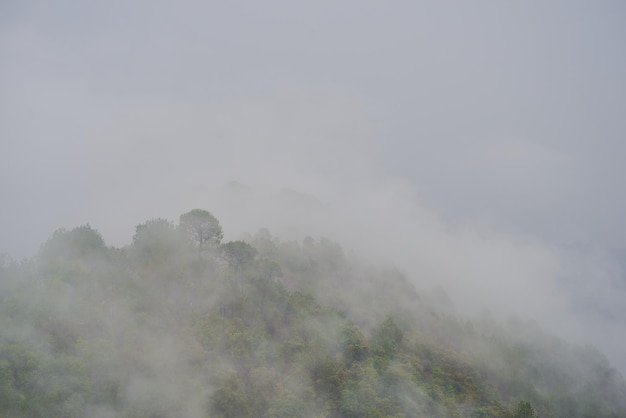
[477,147]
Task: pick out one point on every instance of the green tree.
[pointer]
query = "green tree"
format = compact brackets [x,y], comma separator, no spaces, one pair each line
[81,243]
[238,254]
[73,255]
[155,239]
[354,344]
[202,228]
[523,410]
[230,399]
[387,339]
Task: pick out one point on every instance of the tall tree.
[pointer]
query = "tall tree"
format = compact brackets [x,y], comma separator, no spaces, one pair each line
[202,228]
[155,240]
[81,242]
[523,410]
[238,253]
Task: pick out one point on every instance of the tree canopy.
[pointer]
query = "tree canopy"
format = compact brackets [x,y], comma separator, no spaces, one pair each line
[265,328]
[238,253]
[202,228]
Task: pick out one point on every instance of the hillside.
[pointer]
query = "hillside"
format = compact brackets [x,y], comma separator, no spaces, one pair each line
[179,323]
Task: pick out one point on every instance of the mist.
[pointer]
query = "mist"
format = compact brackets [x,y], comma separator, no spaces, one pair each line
[475,147]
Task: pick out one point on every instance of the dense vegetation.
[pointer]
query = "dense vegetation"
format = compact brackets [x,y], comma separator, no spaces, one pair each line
[179,324]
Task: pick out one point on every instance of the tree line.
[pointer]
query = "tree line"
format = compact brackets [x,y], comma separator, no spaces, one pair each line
[180,323]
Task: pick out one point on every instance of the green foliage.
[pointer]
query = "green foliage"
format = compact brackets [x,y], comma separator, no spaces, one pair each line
[155,240]
[387,339]
[238,254]
[72,256]
[201,228]
[287,405]
[355,347]
[264,329]
[230,400]
[79,243]
[523,410]
[329,377]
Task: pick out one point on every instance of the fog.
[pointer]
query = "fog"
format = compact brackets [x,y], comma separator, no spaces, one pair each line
[478,146]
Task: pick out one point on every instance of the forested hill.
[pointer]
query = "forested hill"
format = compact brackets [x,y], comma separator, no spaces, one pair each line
[179,323]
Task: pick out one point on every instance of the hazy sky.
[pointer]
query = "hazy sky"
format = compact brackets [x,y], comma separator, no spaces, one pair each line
[484,139]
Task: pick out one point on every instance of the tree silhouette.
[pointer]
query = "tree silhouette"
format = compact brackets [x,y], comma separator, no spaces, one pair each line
[202,228]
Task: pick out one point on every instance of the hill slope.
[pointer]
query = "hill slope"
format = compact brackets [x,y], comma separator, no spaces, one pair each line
[176,325]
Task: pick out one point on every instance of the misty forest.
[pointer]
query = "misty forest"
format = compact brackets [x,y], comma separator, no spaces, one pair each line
[312,209]
[179,323]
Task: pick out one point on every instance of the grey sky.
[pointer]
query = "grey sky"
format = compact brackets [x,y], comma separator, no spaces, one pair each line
[488,137]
